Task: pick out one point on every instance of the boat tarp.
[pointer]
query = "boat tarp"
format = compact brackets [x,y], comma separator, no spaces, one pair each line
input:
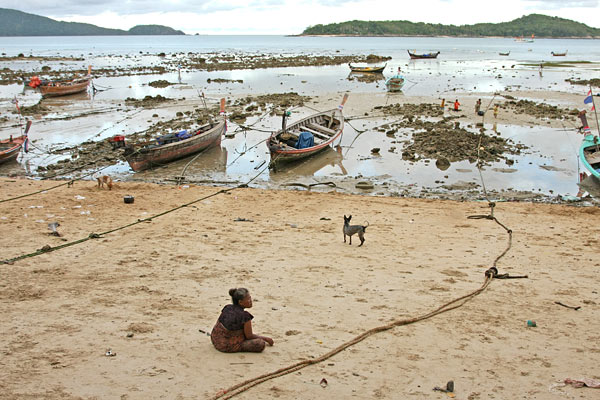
[306,139]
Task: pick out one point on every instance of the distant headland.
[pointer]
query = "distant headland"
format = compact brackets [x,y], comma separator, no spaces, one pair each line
[542,26]
[18,23]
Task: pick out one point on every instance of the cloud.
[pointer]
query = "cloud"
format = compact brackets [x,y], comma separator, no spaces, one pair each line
[557,4]
[293,16]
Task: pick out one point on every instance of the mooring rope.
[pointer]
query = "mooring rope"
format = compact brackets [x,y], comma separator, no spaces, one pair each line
[47,248]
[451,305]
[68,183]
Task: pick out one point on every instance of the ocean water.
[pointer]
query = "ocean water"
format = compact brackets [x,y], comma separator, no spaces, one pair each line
[464,65]
[455,49]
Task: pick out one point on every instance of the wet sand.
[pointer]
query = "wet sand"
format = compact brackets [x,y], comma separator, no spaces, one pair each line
[144,292]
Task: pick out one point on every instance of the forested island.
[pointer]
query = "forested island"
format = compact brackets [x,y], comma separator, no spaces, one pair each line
[18,23]
[542,26]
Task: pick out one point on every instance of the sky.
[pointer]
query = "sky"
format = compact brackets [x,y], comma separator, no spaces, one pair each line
[287,17]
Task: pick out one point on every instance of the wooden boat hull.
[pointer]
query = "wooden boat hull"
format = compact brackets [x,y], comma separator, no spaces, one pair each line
[415,56]
[55,89]
[558,54]
[282,153]
[372,70]
[10,148]
[589,153]
[148,157]
[505,54]
[394,84]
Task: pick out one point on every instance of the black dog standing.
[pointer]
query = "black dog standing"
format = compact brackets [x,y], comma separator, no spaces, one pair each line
[352,229]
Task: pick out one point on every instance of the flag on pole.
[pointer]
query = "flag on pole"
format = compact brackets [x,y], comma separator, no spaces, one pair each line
[589,99]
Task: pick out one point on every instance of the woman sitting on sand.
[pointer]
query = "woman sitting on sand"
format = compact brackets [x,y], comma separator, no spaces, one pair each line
[233,331]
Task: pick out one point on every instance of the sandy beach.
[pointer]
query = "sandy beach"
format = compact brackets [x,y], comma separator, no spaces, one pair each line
[117,302]
[147,290]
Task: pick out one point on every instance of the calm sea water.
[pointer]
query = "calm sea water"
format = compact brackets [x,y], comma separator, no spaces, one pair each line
[464,65]
[465,49]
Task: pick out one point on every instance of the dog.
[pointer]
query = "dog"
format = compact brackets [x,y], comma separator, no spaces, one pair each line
[352,229]
[105,180]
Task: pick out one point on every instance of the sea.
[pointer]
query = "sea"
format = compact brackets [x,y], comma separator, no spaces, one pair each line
[474,65]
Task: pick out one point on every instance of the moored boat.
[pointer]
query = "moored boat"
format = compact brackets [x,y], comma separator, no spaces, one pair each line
[61,88]
[10,148]
[307,136]
[589,153]
[504,54]
[367,69]
[555,54]
[415,56]
[174,146]
[395,83]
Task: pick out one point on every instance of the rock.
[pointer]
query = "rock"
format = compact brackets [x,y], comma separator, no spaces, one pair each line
[364,185]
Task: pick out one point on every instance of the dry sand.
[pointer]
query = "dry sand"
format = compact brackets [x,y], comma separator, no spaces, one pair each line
[164,280]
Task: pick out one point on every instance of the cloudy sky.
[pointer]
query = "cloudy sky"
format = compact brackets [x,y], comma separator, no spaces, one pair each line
[292,17]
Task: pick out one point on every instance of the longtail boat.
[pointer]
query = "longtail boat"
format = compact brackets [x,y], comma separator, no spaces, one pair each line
[376,70]
[307,136]
[10,148]
[173,146]
[589,152]
[61,88]
[395,83]
[415,56]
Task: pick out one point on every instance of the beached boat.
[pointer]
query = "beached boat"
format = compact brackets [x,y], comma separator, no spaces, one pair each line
[376,70]
[555,54]
[174,146]
[61,88]
[307,136]
[64,88]
[415,56]
[395,83]
[589,152]
[10,148]
[504,54]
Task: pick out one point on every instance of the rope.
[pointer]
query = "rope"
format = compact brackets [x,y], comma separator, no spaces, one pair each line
[451,305]
[47,249]
[68,183]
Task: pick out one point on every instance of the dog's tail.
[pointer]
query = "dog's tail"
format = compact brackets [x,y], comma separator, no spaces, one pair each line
[365,226]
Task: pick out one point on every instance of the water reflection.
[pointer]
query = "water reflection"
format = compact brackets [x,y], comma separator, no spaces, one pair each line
[210,164]
[312,165]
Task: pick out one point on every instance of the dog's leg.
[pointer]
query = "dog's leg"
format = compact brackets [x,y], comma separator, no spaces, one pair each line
[361,236]
[350,236]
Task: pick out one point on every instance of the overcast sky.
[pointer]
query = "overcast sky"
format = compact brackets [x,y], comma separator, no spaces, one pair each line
[292,17]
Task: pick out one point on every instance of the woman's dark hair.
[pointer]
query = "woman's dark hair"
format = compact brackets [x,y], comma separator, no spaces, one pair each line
[238,294]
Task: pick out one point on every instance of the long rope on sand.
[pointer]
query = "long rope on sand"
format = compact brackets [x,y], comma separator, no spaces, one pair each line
[47,248]
[451,305]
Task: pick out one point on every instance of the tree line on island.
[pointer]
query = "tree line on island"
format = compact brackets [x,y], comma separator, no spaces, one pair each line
[18,23]
[533,24]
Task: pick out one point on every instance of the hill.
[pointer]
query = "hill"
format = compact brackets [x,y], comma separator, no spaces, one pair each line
[18,23]
[540,25]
